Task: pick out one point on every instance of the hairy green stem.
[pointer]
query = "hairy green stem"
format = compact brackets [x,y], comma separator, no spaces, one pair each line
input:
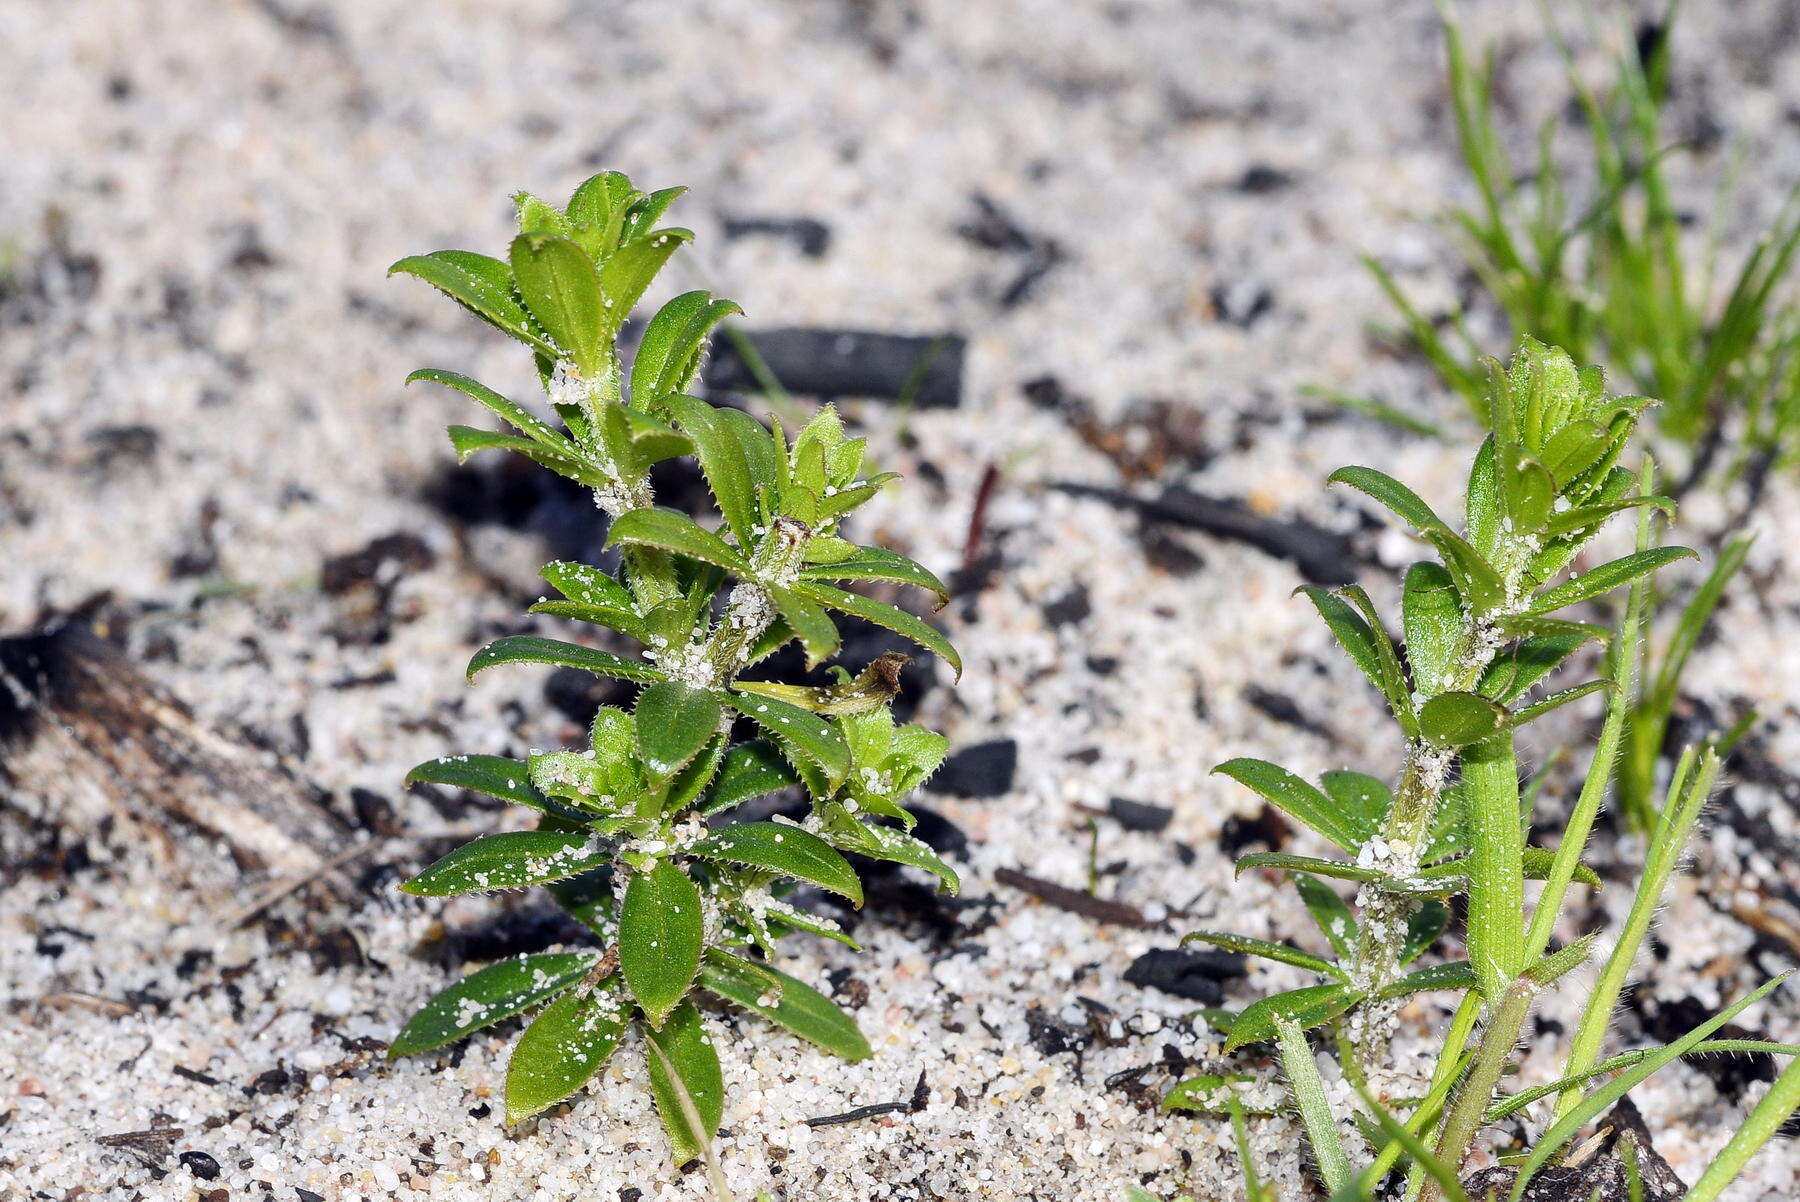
[1496,1048]
[1621,657]
[1443,1080]
[1688,791]
[1496,921]
[1407,831]
[751,610]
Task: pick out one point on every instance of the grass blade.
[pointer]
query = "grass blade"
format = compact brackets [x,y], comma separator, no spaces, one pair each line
[1315,1110]
[1781,1101]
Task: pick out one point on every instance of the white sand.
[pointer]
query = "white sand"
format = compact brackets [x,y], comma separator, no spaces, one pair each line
[358,132]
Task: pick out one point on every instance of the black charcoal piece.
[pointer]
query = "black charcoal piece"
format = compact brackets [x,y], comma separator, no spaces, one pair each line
[1186,972]
[847,363]
[982,770]
[1139,816]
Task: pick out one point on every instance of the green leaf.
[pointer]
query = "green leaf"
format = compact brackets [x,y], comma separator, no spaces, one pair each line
[586,781]
[815,738]
[1477,579]
[658,527]
[783,918]
[1537,626]
[624,621]
[750,770]
[1511,1104]
[1432,614]
[1356,793]
[1281,953]
[673,723]
[1528,488]
[586,584]
[866,692]
[654,440]
[537,216]
[1584,516]
[1558,964]
[1337,869]
[508,411]
[898,847]
[1538,709]
[789,850]
[1367,646]
[557,282]
[1393,494]
[494,775]
[806,618]
[683,1055]
[529,649]
[693,779]
[883,614]
[1423,929]
[1536,862]
[1301,801]
[760,444]
[668,356]
[599,201]
[873,563]
[1391,679]
[1575,448]
[1457,719]
[1202,1095]
[1330,912]
[1310,1007]
[1514,670]
[722,461]
[662,927]
[467,440]
[646,211]
[490,995]
[1608,576]
[1455,975]
[563,1047]
[629,270]
[785,1002]
[481,284]
[509,861]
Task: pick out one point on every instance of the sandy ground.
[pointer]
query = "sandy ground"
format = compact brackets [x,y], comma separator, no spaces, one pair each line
[200,403]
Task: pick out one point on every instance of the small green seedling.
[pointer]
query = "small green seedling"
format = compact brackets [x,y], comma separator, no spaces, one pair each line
[1485,623]
[632,836]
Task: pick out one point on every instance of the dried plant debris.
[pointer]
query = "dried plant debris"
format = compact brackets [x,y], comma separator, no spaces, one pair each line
[1322,556]
[86,739]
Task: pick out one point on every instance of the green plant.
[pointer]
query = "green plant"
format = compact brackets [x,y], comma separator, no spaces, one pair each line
[1616,279]
[630,838]
[1658,678]
[1483,628]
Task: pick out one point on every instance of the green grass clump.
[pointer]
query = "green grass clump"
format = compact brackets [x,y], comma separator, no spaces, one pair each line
[1485,624]
[1614,277]
[631,836]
